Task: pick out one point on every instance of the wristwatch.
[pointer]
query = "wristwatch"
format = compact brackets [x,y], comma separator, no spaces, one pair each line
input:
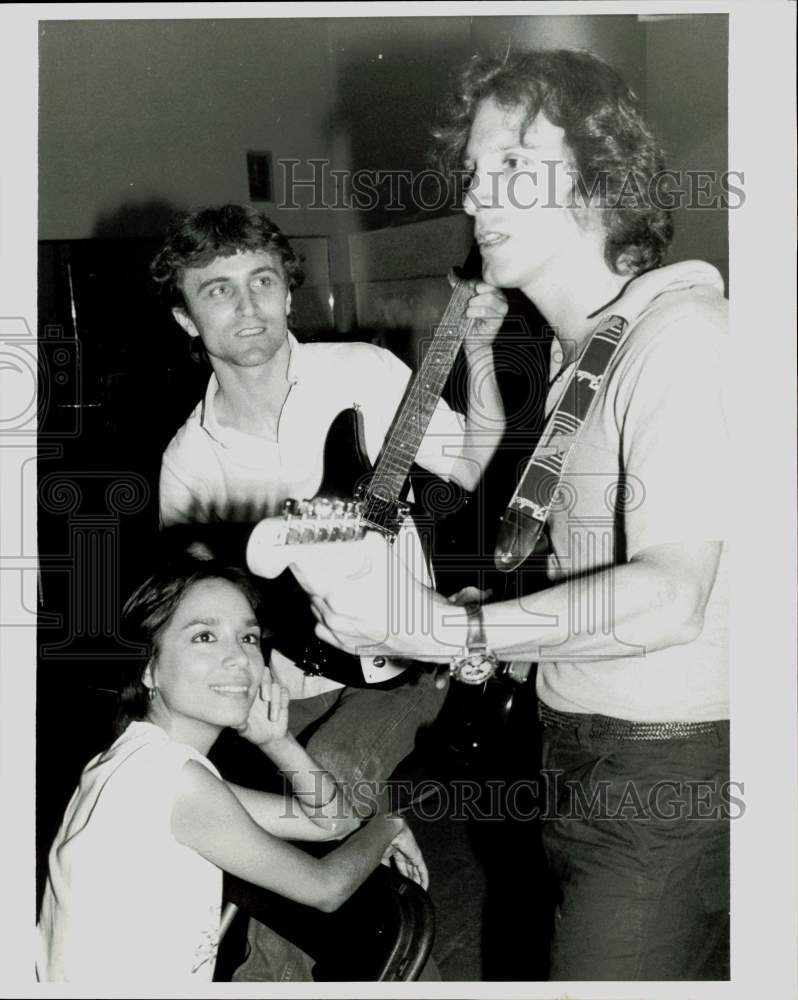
[476,663]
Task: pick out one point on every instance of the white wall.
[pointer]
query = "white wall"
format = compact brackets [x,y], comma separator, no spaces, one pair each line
[139,119]
[687,100]
[136,114]
[617,38]
[678,67]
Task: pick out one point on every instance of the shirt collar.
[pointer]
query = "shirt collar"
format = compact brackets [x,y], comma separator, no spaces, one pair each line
[638,295]
[296,367]
[296,361]
[208,412]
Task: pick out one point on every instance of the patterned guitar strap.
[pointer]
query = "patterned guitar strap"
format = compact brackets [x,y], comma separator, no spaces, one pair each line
[522,527]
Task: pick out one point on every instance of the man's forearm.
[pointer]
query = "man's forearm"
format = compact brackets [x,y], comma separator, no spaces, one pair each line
[627,610]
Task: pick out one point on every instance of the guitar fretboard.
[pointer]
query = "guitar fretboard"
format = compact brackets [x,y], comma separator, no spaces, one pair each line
[415,413]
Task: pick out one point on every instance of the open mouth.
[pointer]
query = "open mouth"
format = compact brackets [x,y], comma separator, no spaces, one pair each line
[488,241]
[251,331]
[231,690]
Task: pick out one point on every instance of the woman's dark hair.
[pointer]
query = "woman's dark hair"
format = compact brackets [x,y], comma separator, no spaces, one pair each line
[615,153]
[150,608]
[196,238]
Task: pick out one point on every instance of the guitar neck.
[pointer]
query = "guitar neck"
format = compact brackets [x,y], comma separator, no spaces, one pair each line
[412,419]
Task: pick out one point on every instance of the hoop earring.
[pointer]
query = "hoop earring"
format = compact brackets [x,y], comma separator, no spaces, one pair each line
[152,693]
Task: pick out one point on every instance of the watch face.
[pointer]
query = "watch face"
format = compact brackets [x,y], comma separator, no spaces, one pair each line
[474,669]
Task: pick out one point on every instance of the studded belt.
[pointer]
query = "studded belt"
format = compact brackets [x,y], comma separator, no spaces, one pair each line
[622,729]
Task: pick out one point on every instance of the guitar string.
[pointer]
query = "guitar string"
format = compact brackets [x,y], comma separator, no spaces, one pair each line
[400,450]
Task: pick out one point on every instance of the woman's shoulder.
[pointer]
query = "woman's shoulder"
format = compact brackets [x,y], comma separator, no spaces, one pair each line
[145,753]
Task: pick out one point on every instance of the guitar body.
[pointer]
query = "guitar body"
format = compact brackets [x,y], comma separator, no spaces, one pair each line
[346,463]
[351,492]
[346,474]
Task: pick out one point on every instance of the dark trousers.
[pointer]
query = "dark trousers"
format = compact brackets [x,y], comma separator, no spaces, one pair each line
[637,836]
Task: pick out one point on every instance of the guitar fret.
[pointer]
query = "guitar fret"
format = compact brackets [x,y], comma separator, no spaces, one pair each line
[415,413]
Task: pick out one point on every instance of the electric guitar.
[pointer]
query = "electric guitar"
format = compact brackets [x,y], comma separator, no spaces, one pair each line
[382,567]
[354,498]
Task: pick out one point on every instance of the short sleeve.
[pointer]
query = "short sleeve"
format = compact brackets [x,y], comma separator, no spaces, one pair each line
[180,500]
[674,436]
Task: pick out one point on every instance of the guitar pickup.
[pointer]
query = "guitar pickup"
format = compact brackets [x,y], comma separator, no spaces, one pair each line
[322,520]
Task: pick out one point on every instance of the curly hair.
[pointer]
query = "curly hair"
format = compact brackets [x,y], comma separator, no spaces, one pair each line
[151,607]
[194,239]
[615,152]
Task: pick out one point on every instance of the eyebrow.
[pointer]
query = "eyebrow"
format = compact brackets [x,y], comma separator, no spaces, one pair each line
[468,160]
[266,268]
[249,623]
[201,621]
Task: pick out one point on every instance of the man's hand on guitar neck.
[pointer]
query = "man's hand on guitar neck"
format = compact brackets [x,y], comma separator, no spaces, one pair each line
[488,306]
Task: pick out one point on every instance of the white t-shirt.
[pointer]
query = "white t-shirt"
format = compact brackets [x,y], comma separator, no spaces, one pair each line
[657,430]
[125,903]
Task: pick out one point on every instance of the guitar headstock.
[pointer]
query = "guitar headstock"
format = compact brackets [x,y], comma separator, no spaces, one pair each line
[274,542]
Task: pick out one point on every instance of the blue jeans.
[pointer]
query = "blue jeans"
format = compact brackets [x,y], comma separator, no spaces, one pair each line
[366,733]
[637,836]
[363,734]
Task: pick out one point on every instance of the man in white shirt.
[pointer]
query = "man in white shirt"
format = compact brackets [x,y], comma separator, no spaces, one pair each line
[257,437]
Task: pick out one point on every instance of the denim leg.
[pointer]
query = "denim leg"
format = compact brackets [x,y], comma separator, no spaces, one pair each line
[638,839]
[272,958]
[303,712]
[371,732]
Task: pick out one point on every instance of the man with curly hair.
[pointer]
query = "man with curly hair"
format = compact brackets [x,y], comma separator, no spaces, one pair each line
[630,636]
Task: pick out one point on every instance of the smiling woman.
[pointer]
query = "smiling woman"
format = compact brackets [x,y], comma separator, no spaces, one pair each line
[204,664]
[140,853]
